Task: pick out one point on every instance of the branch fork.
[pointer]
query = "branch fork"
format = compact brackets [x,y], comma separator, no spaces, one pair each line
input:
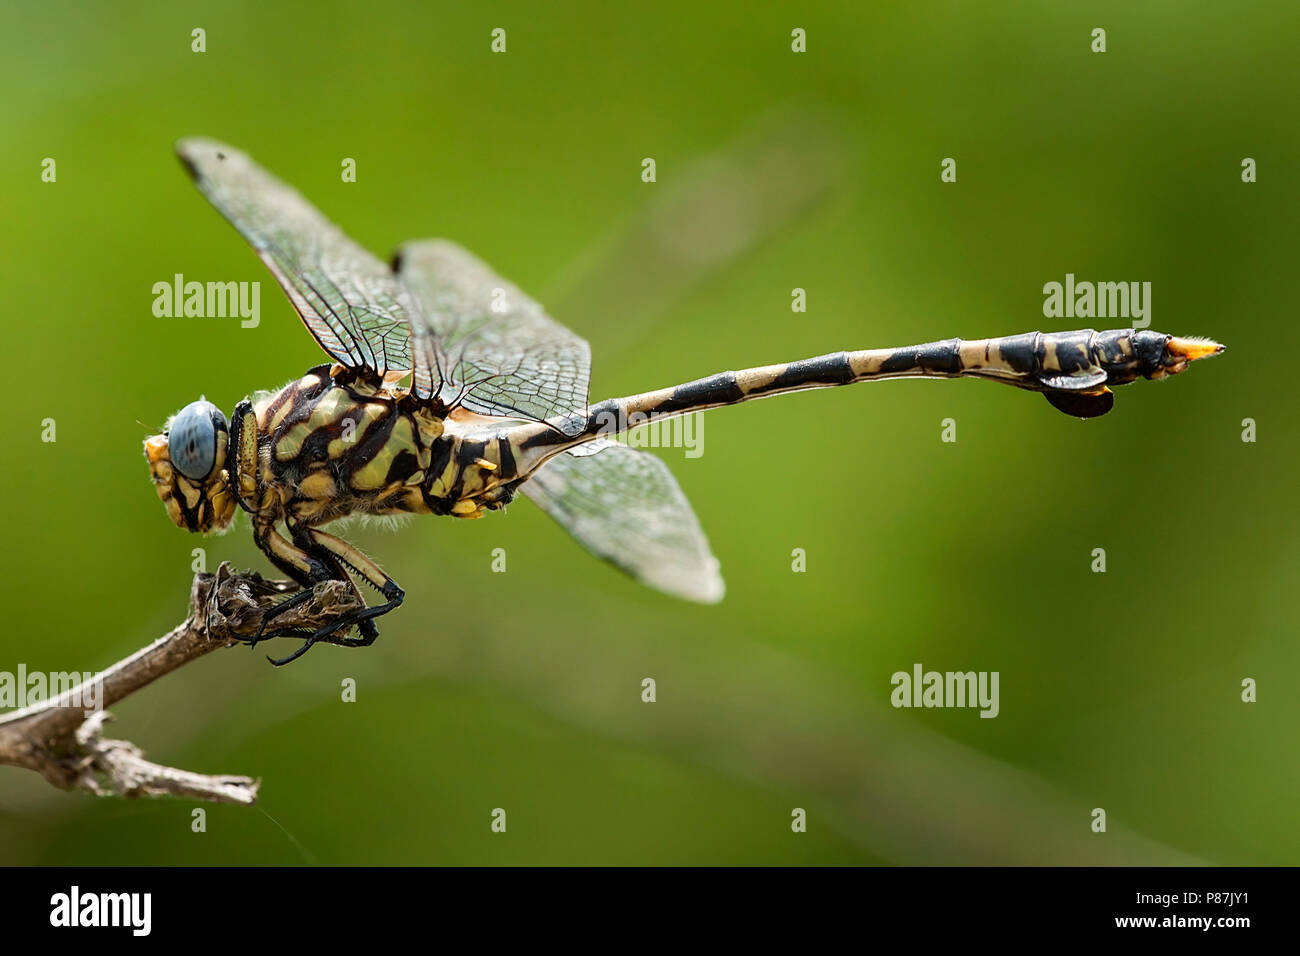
[59,740]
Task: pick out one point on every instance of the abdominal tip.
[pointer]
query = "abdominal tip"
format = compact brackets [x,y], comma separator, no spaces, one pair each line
[1192,348]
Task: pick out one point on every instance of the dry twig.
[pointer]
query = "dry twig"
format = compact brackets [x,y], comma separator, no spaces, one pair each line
[64,743]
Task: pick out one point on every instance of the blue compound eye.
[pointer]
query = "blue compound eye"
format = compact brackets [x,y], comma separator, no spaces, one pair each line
[192,439]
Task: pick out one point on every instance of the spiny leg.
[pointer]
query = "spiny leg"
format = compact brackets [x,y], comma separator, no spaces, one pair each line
[323,634]
[305,570]
[337,554]
[338,550]
[302,538]
[308,566]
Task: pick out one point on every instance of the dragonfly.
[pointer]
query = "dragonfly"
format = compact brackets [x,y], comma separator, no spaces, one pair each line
[448,391]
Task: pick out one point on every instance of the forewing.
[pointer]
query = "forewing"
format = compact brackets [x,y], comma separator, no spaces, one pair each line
[499,348]
[358,311]
[624,505]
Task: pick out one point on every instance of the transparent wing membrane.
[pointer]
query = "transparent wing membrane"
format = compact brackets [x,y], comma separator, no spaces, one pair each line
[624,505]
[500,351]
[349,300]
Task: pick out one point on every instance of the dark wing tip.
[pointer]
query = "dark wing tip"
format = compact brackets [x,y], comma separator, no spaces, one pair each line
[414,250]
[198,155]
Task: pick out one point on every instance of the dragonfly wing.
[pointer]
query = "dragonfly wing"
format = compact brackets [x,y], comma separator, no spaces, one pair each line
[624,505]
[499,348]
[350,301]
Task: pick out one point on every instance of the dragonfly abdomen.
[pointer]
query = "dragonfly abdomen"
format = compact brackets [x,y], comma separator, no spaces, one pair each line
[1074,369]
[1016,358]
[1033,360]
[471,474]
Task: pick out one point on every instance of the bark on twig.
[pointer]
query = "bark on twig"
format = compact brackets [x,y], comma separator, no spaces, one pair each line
[63,742]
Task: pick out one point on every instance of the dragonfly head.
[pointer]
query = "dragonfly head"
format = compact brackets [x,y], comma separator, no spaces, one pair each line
[1161,355]
[188,464]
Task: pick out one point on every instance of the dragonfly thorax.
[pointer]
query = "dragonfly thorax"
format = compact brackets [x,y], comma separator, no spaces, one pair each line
[329,445]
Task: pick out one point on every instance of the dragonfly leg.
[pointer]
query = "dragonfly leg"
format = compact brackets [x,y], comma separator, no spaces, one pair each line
[305,570]
[302,597]
[356,617]
[305,539]
[320,556]
[307,566]
[314,556]
[339,551]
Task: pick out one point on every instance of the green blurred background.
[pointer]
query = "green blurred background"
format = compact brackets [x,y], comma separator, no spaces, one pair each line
[775,170]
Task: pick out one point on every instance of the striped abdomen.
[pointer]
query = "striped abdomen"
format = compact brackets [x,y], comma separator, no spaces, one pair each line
[1073,369]
[1076,362]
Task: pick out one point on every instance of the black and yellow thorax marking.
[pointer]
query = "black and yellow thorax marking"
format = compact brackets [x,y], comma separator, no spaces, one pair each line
[327,446]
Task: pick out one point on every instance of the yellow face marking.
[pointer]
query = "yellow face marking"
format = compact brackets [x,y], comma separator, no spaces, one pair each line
[207,505]
[157,451]
[223,444]
[223,505]
[189,490]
